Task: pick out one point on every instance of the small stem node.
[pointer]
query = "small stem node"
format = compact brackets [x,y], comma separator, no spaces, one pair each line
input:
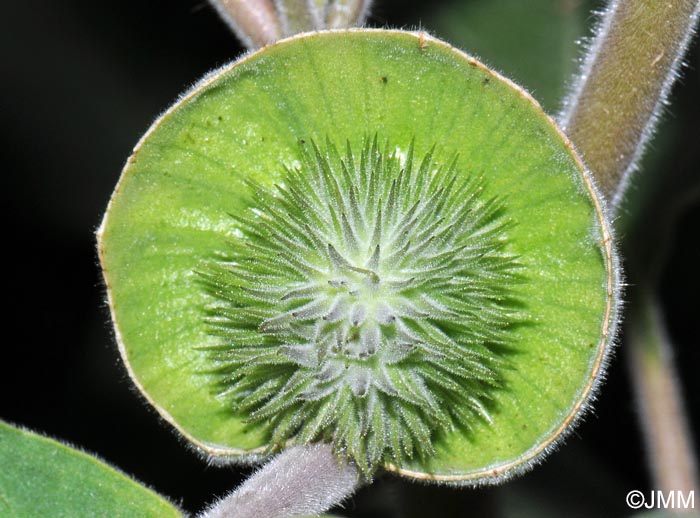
[254,22]
[298,16]
[346,13]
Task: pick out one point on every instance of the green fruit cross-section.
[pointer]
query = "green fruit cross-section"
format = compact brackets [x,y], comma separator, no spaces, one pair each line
[243,125]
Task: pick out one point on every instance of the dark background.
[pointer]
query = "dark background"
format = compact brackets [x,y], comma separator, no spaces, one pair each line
[82,80]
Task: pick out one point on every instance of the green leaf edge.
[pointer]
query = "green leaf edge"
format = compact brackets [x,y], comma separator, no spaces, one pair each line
[494,474]
[28,436]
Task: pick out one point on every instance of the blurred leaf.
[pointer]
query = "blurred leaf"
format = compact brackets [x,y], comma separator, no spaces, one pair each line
[665,514]
[42,477]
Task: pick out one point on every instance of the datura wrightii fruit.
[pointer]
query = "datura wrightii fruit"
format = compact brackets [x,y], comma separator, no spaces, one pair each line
[365,238]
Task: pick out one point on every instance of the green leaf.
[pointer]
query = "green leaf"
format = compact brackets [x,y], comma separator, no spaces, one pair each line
[42,477]
[534,41]
[241,127]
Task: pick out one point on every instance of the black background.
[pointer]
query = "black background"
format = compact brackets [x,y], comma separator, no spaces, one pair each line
[81,81]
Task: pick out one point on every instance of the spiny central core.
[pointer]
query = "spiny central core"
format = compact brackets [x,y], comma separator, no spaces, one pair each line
[364,302]
[357,313]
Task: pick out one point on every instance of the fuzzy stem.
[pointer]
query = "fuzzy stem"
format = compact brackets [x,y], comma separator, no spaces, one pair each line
[298,16]
[346,13]
[667,436]
[303,480]
[254,22]
[628,73]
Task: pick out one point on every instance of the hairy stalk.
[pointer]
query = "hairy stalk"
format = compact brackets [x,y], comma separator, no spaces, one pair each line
[610,115]
[254,22]
[630,68]
[346,13]
[303,480]
[669,450]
